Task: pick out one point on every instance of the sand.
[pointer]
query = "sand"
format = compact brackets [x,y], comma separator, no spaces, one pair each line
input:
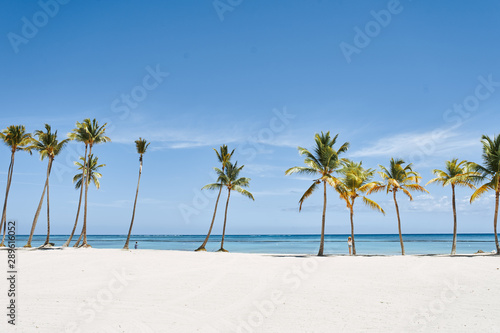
[96,290]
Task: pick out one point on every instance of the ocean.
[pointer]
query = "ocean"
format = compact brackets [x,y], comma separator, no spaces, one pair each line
[289,244]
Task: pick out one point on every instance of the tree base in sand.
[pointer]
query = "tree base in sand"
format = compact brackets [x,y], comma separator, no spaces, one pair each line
[222,250]
[200,249]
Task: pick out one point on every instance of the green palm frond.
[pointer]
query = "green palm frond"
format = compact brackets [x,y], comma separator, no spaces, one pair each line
[16,138]
[489,171]
[321,161]
[141,146]
[47,144]
[230,179]
[240,190]
[301,170]
[457,174]
[213,186]
[307,194]
[91,133]
[223,155]
[93,168]
[400,177]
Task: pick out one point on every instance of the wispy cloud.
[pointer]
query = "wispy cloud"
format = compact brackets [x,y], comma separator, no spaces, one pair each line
[283,192]
[264,170]
[434,143]
[430,203]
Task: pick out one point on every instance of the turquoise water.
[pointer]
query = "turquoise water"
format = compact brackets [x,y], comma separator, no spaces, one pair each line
[291,244]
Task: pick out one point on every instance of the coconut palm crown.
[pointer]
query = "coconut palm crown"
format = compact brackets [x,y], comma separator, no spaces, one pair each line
[94,174]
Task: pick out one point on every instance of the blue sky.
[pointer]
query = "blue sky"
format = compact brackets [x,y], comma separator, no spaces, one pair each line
[263,77]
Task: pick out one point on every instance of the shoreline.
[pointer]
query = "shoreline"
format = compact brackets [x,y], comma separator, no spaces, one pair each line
[299,255]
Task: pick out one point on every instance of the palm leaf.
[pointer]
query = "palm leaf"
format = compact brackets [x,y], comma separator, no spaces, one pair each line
[373,205]
[307,194]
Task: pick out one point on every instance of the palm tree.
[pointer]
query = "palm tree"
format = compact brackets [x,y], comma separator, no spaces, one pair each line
[455,174]
[490,172]
[47,145]
[94,135]
[356,180]
[141,145]
[224,157]
[231,180]
[79,134]
[324,161]
[399,178]
[94,176]
[16,138]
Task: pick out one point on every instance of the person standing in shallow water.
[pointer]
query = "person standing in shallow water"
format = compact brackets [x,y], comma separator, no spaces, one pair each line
[135,246]
[349,244]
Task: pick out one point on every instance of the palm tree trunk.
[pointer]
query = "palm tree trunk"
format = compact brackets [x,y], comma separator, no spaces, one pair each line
[35,219]
[202,247]
[352,228]
[79,239]
[76,220]
[322,242]
[48,205]
[497,195]
[79,201]
[454,246]
[4,212]
[84,230]
[133,211]
[225,219]
[399,225]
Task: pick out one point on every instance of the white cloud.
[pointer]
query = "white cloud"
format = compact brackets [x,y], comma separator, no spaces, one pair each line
[434,143]
[430,203]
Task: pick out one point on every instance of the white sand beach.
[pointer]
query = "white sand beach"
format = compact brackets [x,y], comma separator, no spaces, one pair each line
[90,290]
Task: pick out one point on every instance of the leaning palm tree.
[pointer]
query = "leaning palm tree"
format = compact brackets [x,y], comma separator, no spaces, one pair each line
[224,157]
[490,171]
[399,178]
[16,138]
[94,135]
[356,180]
[47,145]
[455,174]
[78,179]
[141,145]
[79,134]
[230,179]
[324,161]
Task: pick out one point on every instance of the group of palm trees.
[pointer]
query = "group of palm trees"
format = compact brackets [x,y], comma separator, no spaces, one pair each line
[228,177]
[47,144]
[350,180]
